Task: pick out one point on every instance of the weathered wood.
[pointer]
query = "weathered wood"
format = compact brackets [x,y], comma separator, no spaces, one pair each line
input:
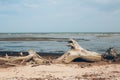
[33,56]
[111,54]
[3,59]
[77,52]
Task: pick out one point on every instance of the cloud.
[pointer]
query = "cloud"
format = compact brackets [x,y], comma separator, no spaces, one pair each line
[13,4]
[61,7]
[31,5]
[103,1]
[107,6]
[60,12]
[117,12]
[53,1]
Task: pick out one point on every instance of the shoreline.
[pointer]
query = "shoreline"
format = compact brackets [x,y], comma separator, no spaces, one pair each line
[76,70]
[40,39]
[17,53]
[33,39]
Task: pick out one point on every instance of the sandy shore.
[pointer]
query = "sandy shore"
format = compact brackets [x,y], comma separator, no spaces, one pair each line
[73,71]
[61,72]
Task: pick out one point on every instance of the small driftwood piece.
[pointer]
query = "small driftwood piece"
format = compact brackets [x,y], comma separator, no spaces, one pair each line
[77,52]
[111,54]
[33,56]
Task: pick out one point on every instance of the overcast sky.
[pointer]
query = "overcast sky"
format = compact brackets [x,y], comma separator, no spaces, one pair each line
[59,15]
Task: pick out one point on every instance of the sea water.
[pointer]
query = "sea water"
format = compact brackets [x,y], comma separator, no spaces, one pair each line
[98,42]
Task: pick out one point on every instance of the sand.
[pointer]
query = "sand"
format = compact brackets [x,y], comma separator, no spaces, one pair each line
[61,72]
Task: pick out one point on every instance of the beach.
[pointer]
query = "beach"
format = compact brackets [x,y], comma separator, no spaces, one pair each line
[59,39]
[50,46]
[59,71]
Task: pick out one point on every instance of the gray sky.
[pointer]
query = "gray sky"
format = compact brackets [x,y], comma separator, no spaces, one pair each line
[59,15]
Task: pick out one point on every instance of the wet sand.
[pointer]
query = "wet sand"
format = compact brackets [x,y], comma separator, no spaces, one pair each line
[33,39]
[77,70]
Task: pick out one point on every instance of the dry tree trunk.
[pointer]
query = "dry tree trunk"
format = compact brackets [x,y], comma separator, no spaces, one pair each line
[77,52]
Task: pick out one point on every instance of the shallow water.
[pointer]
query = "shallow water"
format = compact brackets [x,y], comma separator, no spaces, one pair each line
[98,42]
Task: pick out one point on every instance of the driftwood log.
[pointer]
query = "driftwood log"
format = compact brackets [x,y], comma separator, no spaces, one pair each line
[33,56]
[77,52]
[3,60]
